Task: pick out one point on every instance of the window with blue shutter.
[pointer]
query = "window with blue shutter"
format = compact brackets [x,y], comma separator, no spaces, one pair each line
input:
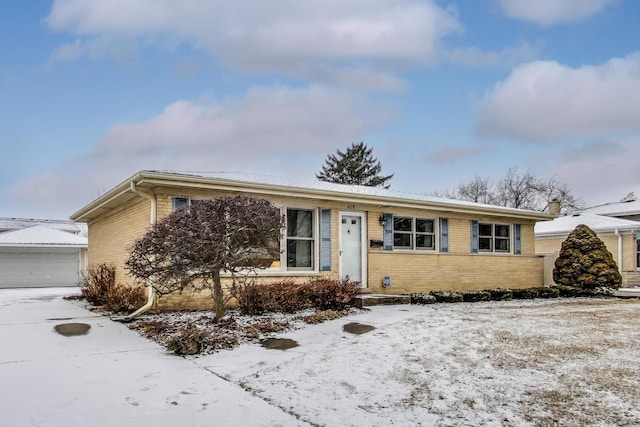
[387,237]
[474,236]
[325,240]
[517,246]
[444,235]
[180,202]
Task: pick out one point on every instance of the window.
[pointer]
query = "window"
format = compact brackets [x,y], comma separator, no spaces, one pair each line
[300,239]
[494,237]
[413,233]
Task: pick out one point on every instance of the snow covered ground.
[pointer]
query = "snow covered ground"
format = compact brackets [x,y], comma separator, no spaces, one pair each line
[542,362]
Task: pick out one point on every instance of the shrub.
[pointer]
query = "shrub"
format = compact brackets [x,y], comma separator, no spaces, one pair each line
[498,294]
[288,296]
[187,341]
[568,291]
[422,299]
[475,296]
[329,294]
[443,296]
[585,262]
[98,286]
[527,293]
[548,293]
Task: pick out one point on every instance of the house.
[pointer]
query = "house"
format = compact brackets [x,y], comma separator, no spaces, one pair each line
[618,234]
[389,241]
[39,256]
[628,208]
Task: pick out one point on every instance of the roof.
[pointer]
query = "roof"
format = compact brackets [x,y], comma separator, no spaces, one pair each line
[266,185]
[10,224]
[599,223]
[623,208]
[41,236]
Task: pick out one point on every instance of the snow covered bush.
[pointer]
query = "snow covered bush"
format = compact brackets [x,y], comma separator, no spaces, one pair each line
[585,262]
[422,299]
[444,296]
[475,296]
[499,294]
[550,292]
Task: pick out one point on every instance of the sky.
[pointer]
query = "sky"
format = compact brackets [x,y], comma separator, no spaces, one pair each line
[93,91]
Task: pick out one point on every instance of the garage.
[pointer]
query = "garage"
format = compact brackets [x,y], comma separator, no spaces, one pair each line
[40,257]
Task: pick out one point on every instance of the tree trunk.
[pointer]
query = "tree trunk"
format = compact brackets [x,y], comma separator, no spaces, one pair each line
[219,306]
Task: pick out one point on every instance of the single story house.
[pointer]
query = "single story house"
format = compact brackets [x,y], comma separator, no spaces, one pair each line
[40,256]
[621,236]
[629,208]
[388,241]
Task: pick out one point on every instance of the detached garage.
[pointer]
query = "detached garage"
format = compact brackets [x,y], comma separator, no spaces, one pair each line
[41,257]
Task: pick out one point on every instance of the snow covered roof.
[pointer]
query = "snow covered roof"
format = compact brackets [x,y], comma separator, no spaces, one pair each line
[39,236]
[624,208]
[10,224]
[268,185]
[598,223]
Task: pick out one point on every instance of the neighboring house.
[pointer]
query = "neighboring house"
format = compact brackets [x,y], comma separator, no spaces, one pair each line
[389,241]
[619,235]
[12,224]
[625,209]
[40,256]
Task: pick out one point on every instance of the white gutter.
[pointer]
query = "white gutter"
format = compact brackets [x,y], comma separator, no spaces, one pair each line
[153,216]
[617,233]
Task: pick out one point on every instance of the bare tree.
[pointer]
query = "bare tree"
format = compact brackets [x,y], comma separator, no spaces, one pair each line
[192,246]
[515,190]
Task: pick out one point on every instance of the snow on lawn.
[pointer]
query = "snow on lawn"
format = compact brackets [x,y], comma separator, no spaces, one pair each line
[542,362]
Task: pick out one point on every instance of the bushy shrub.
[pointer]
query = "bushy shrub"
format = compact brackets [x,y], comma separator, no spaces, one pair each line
[288,296]
[548,292]
[329,294]
[98,286]
[422,299]
[568,291]
[499,294]
[585,262]
[444,296]
[188,340]
[527,293]
[475,296]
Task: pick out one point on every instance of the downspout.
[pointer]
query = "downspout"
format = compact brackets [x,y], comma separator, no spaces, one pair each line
[153,216]
[617,233]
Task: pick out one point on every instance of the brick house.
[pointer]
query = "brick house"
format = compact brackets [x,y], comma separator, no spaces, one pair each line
[391,242]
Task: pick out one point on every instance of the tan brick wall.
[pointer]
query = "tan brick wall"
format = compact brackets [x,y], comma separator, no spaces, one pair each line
[450,272]
[112,235]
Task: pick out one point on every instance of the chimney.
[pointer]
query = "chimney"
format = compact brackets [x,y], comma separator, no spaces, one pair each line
[554,207]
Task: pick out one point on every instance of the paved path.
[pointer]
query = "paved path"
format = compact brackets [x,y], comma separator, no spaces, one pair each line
[109,377]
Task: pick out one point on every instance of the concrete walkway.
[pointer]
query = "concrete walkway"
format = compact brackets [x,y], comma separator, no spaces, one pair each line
[108,377]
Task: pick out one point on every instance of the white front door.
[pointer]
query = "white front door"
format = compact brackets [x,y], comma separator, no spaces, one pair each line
[352,255]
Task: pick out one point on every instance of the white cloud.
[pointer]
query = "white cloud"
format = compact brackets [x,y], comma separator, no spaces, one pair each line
[601,171]
[543,100]
[286,36]
[550,12]
[270,130]
[474,57]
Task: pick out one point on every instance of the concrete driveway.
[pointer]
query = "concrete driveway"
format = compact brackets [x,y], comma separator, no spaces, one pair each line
[108,377]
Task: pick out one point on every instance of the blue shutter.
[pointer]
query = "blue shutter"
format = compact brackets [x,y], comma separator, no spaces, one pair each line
[444,235]
[474,236]
[517,247]
[388,232]
[180,202]
[325,240]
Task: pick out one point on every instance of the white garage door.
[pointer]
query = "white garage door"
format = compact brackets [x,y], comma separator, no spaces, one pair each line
[36,267]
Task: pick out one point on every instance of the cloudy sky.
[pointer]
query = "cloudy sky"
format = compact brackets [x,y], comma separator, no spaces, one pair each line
[91,91]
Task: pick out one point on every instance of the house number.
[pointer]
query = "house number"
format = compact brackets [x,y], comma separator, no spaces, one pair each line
[351,206]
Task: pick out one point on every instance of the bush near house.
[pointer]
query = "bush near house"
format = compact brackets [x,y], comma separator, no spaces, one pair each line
[98,286]
[499,294]
[584,262]
[527,293]
[288,296]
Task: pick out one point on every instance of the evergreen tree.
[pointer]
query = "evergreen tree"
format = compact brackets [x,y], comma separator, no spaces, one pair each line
[585,262]
[355,166]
